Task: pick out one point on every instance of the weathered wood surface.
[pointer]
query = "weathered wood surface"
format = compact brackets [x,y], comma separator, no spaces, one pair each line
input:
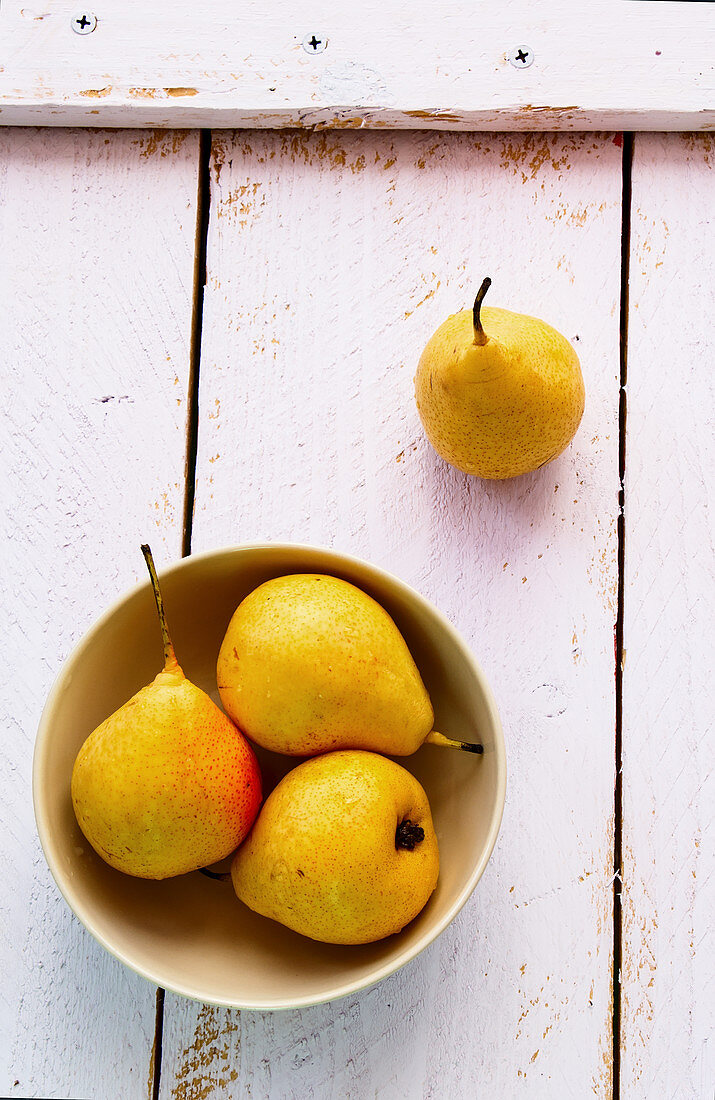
[96,237]
[331,258]
[668,792]
[388,63]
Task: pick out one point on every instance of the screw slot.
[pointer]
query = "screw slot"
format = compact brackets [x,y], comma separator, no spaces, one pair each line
[521,57]
[84,22]
[314,43]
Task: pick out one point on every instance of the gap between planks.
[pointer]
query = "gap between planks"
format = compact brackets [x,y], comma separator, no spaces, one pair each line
[155,1074]
[203,213]
[627,170]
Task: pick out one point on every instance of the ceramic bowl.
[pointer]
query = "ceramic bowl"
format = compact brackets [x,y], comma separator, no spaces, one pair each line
[190,934]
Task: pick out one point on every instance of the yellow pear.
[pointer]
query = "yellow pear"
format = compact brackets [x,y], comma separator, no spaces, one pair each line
[343,851]
[499,393]
[166,784]
[310,663]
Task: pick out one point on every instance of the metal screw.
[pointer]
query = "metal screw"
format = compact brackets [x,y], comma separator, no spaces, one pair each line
[313,43]
[521,57]
[84,22]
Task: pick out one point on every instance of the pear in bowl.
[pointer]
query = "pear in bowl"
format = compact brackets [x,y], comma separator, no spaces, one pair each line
[166,784]
[311,663]
[344,850]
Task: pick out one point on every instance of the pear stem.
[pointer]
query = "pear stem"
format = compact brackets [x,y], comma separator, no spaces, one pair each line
[435,738]
[480,336]
[169,655]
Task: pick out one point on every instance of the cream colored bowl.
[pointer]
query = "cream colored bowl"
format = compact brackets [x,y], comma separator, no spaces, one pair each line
[191,934]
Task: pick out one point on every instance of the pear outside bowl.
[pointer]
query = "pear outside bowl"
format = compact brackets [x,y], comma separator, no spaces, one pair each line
[190,934]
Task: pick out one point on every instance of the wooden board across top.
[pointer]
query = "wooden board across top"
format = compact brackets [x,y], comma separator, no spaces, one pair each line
[557,65]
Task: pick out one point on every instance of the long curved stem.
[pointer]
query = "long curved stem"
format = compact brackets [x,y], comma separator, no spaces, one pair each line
[480,336]
[169,655]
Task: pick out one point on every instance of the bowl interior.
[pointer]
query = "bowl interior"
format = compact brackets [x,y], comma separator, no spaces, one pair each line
[190,934]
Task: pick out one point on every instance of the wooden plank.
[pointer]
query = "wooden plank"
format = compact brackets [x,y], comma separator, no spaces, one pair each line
[668,791]
[387,63]
[331,258]
[97,235]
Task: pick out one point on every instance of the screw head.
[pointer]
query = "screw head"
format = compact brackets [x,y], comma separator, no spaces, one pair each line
[314,43]
[84,22]
[521,57]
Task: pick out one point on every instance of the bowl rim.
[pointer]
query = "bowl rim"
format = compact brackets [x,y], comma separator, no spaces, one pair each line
[387,968]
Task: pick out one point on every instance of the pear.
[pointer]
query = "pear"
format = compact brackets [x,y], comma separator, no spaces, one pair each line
[310,663]
[343,851]
[166,784]
[499,393]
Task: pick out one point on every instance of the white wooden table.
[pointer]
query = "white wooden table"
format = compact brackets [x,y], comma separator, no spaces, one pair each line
[330,257]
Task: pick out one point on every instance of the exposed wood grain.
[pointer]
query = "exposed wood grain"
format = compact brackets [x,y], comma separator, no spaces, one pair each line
[97,235]
[668,791]
[388,63]
[331,258]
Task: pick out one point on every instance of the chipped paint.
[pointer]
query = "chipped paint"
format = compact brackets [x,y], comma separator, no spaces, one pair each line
[323,147]
[219,144]
[428,295]
[242,202]
[97,93]
[434,114]
[152,1071]
[161,93]
[210,1062]
[529,108]
[355,122]
[166,143]
[531,154]
[144,93]
[701,146]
